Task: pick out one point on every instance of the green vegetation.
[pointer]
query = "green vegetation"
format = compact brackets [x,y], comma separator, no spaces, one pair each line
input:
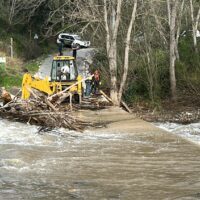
[12,73]
[11,80]
[9,77]
[32,66]
[151,83]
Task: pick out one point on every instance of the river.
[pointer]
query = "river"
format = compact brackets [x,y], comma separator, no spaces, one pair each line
[64,164]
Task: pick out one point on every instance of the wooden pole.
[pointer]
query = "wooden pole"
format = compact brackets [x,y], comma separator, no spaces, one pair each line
[126,106]
[11,47]
[70,101]
[122,102]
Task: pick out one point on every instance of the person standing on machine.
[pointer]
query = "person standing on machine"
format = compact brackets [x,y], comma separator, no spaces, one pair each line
[74,50]
[60,46]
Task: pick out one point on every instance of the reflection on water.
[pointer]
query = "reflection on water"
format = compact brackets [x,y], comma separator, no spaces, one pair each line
[95,165]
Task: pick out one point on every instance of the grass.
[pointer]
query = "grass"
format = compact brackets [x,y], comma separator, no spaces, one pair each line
[32,67]
[11,80]
[10,77]
[11,74]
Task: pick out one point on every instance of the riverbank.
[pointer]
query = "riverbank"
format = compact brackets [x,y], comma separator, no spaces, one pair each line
[184,111]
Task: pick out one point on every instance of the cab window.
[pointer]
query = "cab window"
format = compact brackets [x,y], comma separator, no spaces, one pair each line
[56,73]
[53,71]
[73,72]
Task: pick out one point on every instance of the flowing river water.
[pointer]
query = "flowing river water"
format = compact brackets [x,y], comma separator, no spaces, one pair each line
[99,165]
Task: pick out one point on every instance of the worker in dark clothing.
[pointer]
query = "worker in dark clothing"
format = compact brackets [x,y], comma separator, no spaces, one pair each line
[96,81]
[88,84]
[60,46]
[74,50]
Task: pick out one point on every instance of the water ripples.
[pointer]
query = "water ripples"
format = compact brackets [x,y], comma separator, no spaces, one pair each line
[63,164]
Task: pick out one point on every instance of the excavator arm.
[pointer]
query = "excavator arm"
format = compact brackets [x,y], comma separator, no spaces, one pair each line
[45,86]
[48,87]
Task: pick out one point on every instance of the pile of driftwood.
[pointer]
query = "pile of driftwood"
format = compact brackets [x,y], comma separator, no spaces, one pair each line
[39,110]
[48,111]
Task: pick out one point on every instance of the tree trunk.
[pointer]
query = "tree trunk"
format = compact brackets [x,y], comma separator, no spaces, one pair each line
[111,45]
[178,29]
[172,49]
[113,74]
[127,48]
[169,12]
[194,24]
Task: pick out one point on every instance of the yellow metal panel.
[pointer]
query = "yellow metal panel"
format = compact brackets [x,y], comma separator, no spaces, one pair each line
[63,58]
[25,83]
[79,86]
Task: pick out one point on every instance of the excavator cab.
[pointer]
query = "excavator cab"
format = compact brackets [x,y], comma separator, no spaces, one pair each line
[64,69]
[64,75]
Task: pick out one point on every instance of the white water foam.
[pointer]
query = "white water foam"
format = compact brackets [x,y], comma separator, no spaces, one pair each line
[26,135]
[190,132]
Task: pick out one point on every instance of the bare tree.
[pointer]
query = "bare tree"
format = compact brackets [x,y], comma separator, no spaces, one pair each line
[175,11]
[154,41]
[111,25]
[12,11]
[111,46]
[179,14]
[22,10]
[159,26]
[179,20]
[127,50]
[173,17]
[195,21]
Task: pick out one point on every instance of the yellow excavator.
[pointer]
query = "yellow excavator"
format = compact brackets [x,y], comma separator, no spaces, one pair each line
[59,79]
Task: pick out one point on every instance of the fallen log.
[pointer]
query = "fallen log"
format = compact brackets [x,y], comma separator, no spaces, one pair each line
[122,102]
[108,98]
[51,105]
[126,106]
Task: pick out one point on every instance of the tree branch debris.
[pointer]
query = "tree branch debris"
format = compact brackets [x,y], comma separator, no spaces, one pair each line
[38,110]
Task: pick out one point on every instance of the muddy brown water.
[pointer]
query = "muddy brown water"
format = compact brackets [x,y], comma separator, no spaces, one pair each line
[130,159]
